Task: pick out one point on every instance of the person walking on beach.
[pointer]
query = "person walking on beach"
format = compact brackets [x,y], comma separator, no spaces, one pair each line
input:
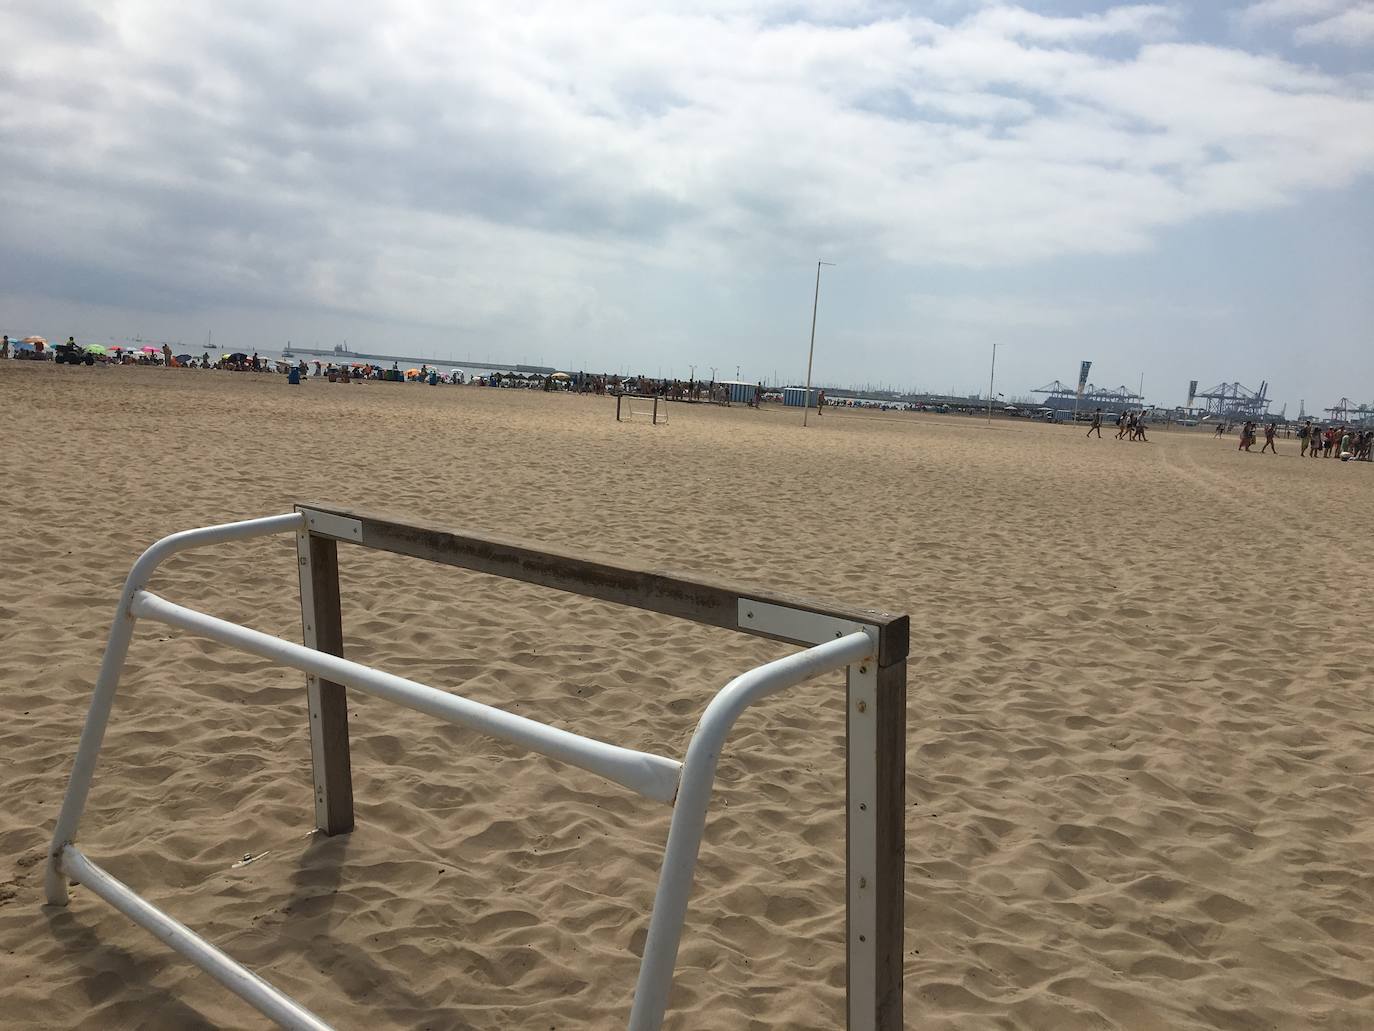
[1097,424]
[166,357]
[1221,430]
[5,347]
[1305,435]
[1120,425]
[1269,432]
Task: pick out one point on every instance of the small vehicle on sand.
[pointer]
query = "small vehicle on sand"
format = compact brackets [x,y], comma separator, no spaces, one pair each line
[72,354]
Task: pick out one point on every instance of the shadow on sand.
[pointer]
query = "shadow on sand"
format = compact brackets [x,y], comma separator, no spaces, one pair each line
[315,896]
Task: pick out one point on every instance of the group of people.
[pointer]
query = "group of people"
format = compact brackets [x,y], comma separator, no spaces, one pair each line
[1130,425]
[1342,442]
[1247,436]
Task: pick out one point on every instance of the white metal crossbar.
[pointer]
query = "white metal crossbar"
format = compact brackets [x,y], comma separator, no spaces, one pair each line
[687,785]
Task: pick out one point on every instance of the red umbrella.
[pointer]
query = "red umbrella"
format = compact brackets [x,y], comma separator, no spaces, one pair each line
[150,350]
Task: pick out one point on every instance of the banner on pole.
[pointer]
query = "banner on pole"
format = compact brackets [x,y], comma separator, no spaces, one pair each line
[1083,368]
[1192,392]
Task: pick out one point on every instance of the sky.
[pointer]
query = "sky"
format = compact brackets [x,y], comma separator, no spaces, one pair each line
[1173,191]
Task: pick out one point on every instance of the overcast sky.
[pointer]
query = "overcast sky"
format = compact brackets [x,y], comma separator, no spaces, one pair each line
[1177,190]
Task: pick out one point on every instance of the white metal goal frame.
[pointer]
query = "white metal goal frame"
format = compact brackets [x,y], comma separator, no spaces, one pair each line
[870,645]
[625,408]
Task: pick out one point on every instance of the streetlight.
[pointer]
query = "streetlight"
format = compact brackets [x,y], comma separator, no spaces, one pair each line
[991,374]
[815,303]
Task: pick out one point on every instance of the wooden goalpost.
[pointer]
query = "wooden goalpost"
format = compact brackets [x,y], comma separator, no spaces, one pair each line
[871,647]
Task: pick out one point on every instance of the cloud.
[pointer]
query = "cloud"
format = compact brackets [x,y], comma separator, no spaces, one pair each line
[1340,22]
[1269,11]
[1143,20]
[1353,27]
[524,166]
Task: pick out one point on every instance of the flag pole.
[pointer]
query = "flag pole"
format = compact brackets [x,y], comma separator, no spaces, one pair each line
[811,354]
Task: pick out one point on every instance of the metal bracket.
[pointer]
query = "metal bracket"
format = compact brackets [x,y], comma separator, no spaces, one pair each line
[797,625]
[327,525]
[312,683]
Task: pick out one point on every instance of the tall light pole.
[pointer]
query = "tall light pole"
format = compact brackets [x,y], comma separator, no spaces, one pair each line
[991,375]
[815,303]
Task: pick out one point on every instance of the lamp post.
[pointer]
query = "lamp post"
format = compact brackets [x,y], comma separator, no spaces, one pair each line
[815,303]
[991,374]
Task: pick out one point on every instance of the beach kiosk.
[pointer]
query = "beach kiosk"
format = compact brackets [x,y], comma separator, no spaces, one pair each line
[796,397]
[740,392]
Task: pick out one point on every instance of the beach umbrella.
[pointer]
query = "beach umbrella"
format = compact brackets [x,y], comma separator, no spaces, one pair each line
[95,348]
[150,350]
[560,375]
[23,345]
[35,340]
[180,357]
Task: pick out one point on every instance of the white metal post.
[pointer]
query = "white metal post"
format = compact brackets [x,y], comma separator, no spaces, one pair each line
[861,842]
[88,750]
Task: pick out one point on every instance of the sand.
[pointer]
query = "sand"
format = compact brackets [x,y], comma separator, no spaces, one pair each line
[1140,761]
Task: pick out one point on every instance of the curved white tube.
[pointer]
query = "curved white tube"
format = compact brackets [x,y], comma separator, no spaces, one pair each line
[694,795]
[116,650]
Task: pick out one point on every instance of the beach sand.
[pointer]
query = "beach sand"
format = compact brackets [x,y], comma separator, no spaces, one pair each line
[1141,737]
